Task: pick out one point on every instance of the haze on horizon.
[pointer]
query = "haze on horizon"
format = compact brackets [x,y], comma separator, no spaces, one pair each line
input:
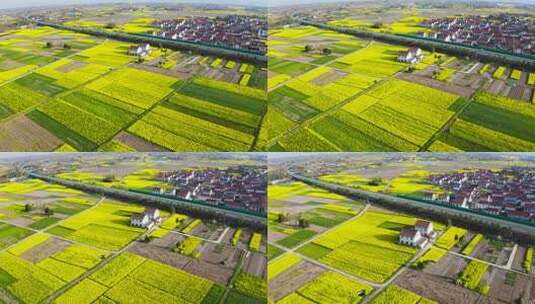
[7,4]
[10,4]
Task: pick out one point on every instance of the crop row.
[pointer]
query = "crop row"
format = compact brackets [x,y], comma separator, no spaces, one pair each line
[281,264]
[500,71]
[256,240]
[130,276]
[133,86]
[450,238]
[210,111]
[332,287]
[18,98]
[469,248]
[191,226]
[471,276]
[197,130]
[528,260]
[236,237]
[188,247]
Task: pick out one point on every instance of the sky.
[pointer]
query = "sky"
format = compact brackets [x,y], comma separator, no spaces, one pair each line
[26,3]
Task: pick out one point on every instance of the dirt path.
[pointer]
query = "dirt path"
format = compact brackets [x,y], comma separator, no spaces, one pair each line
[91,271]
[504,267]
[509,264]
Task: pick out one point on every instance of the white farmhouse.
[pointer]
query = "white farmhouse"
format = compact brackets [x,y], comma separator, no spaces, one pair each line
[425,228]
[153,213]
[412,237]
[140,220]
[147,219]
[412,55]
[140,50]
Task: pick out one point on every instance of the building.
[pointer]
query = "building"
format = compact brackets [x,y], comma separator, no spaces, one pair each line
[140,50]
[147,219]
[233,31]
[425,228]
[412,55]
[419,235]
[140,220]
[412,237]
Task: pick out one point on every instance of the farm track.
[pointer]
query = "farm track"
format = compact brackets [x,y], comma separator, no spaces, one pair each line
[101,264]
[234,277]
[136,118]
[503,267]
[315,262]
[321,65]
[509,264]
[326,113]
[447,125]
[217,242]
[51,226]
[52,97]
[381,196]
[333,109]
[378,288]
[96,268]
[259,127]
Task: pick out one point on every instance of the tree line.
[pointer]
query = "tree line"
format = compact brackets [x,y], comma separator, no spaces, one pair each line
[201,48]
[433,45]
[468,221]
[172,205]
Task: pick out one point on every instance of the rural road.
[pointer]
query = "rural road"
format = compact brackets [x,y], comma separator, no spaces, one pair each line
[504,267]
[512,257]
[51,226]
[344,190]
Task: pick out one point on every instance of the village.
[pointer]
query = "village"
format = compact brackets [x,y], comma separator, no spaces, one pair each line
[509,192]
[233,31]
[238,187]
[502,31]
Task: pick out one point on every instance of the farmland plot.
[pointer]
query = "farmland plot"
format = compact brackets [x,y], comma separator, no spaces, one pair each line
[41,84]
[23,135]
[105,226]
[10,234]
[28,282]
[394,294]
[228,114]
[332,287]
[95,129]
[18,98]
[33,281]
[419,114]
[135,87]
[493,123]
[186,129]
[130,277]
[393,116]
[109,53]
[69,73]
[366,249]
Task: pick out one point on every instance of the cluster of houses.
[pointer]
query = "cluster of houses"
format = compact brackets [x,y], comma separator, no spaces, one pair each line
[147,219]
[504,31]
[233,31]
[239,187]
[508,192]
[419,235]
